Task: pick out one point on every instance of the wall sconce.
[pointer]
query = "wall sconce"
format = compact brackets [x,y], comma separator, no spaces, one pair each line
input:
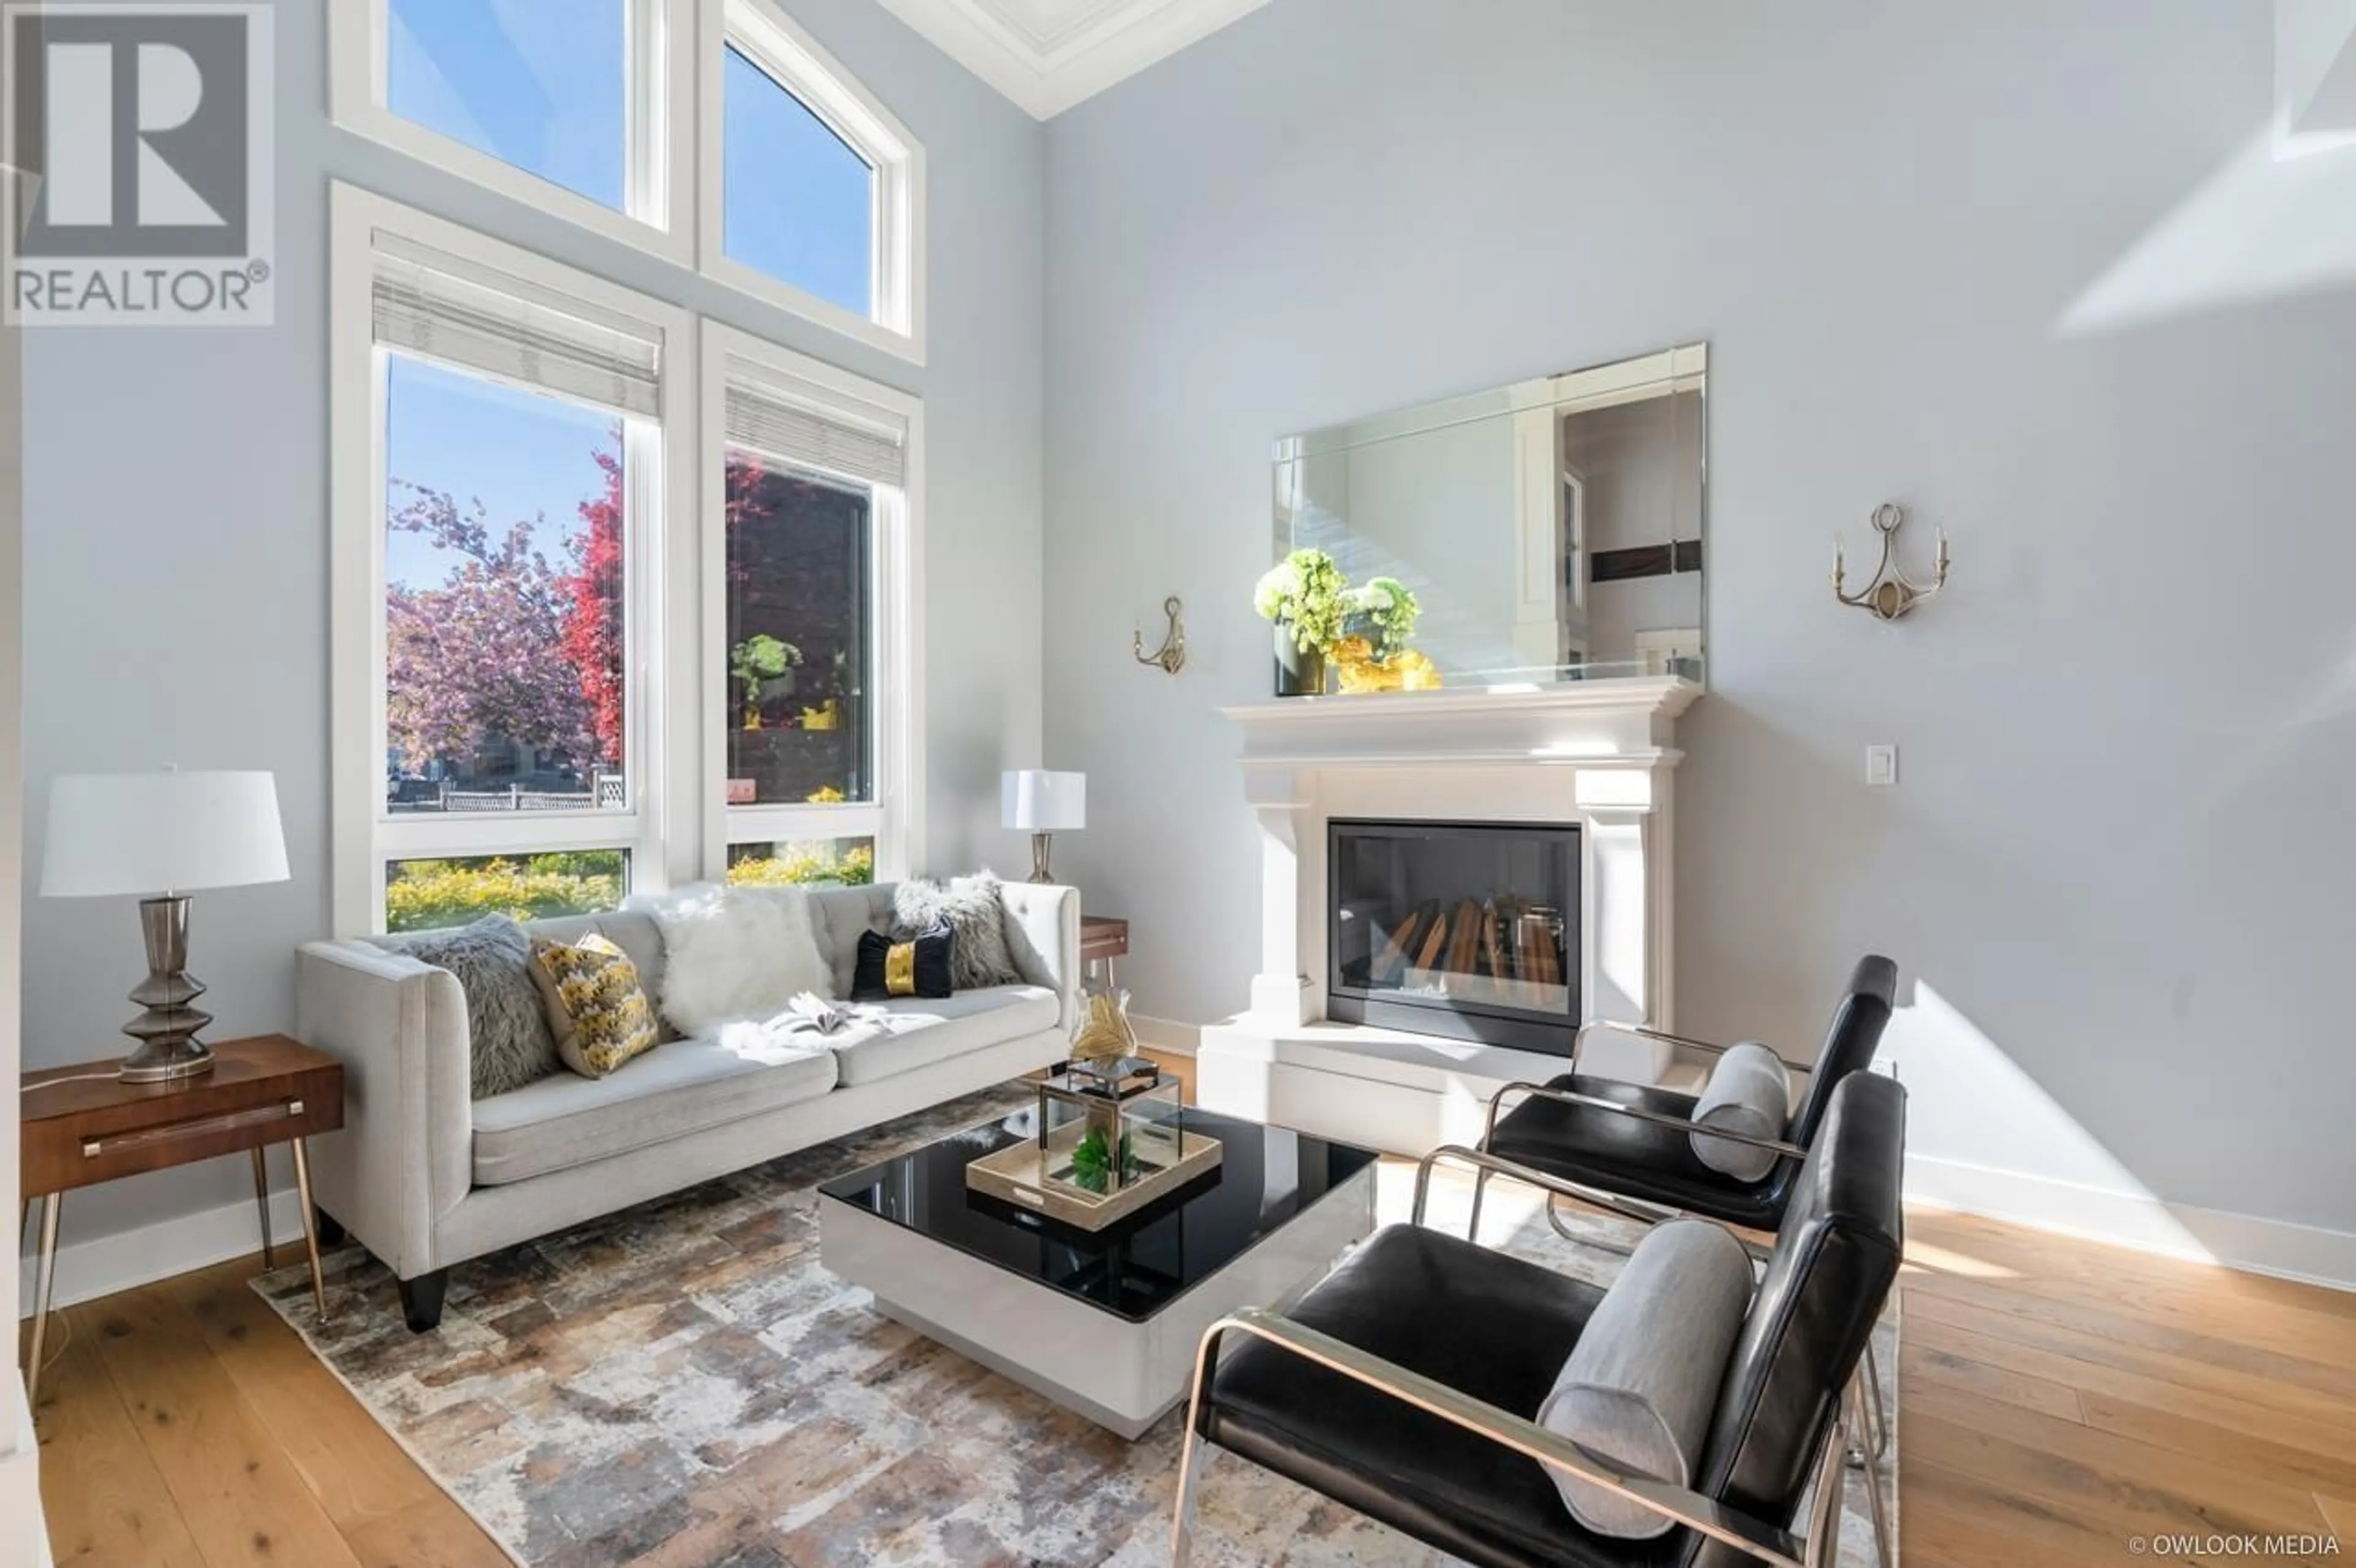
[1889,594]
[1172,655]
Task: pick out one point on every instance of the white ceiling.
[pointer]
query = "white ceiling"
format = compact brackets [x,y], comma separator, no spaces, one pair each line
[1047,54]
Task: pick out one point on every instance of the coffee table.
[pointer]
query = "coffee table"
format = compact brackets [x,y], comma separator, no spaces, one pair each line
[1105,1323]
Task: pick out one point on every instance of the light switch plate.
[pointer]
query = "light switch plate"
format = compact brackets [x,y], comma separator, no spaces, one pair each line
[1882,765]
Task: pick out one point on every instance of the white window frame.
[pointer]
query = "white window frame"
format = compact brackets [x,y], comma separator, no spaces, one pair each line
[675,150]
[894,819]
[661,614]
[658,141]
[775,44]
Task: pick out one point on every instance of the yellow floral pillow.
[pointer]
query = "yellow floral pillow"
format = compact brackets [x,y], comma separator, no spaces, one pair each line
[597,1008]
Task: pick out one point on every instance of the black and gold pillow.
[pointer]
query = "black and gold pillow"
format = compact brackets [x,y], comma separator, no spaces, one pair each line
[920,968]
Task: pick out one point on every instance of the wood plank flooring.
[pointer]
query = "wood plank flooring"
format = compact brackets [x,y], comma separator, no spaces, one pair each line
[2057,1398]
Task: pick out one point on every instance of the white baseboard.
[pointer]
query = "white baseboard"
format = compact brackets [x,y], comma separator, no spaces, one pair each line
[2278,1247]
[1167,1034]
[104,1265]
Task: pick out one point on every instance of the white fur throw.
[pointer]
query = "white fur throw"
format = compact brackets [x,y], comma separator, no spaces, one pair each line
[735,952]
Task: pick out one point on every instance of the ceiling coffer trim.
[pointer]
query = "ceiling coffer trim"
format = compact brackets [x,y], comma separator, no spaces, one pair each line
[1047,54]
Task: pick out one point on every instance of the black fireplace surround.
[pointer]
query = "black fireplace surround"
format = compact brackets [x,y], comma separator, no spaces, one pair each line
[1468,930]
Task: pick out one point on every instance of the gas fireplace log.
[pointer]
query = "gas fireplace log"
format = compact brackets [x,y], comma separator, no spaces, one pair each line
[1464,938]
[1435,942]
[1392,959]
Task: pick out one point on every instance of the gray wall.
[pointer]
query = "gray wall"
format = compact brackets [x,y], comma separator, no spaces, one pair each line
[2119,854]
[176,539]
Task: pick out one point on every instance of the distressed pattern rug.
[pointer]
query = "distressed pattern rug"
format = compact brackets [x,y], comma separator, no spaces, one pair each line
[683,1384]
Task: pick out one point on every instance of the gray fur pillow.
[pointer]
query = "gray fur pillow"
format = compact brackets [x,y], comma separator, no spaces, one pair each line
[506,1025]
[970,907]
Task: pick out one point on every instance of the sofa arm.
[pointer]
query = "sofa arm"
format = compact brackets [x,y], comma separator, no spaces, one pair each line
[404,1156]
[1043,931]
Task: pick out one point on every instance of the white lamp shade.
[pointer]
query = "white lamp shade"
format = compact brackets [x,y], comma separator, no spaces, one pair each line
[1038,802]
[161,832]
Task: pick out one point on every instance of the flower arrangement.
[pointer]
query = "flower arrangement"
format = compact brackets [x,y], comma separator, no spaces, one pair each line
[1383,610]
[1303,592]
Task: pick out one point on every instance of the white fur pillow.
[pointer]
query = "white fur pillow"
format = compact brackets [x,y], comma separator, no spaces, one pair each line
[735,952]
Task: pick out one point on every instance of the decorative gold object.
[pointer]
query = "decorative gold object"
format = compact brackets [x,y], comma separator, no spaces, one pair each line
[1172,655]
[1408,670]
[1890,594]
[1103,1033]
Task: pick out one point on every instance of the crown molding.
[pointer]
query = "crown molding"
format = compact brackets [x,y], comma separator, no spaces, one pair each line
[1047,58]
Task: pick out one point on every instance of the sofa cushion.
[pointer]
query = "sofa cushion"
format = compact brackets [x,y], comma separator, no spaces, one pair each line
[916,1033]
[671,1091]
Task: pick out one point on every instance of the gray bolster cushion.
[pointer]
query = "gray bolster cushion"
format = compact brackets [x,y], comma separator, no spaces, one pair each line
[1642,1383]
[1749,1091]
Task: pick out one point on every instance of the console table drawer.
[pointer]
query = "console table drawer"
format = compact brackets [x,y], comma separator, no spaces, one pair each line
[172,1127]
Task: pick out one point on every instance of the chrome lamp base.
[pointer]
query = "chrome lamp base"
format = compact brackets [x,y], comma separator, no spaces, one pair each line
[1041,843]
[168,1048]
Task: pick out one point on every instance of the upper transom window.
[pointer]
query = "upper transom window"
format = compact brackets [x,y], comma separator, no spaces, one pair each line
[540,84]
[713,132]
[812,198]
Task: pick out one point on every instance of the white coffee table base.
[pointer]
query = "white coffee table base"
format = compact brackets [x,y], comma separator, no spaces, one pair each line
[1120,1374]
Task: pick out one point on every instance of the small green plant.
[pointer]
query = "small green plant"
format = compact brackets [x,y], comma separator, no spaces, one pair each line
[1383,610]
[1092,1161]
[1304,593]
[757,658]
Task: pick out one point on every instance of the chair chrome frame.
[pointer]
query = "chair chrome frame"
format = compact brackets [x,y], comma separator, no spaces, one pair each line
[1751,1536]
[1647,1031]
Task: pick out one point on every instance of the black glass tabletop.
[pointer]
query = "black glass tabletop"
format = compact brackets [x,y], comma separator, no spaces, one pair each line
[1137,1266]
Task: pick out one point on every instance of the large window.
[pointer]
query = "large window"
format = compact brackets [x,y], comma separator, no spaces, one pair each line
[506,575]
[714,132]
[505,480]
[809,475]
[618,605]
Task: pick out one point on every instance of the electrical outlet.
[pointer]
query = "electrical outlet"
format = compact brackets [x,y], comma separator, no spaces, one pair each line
[1882,765]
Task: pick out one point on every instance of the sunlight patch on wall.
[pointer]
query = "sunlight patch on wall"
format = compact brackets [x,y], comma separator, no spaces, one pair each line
[2259,228]
[1984,1136]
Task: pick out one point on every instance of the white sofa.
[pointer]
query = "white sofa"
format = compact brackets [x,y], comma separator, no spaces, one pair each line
[426,1177]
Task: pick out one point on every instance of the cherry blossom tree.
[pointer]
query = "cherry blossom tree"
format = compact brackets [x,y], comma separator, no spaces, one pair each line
[482,655]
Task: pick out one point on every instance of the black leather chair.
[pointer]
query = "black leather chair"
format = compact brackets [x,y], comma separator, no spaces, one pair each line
[1628,1149]
[1405,1384]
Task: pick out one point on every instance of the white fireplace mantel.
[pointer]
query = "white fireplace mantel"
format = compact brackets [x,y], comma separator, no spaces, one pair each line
[1601,754]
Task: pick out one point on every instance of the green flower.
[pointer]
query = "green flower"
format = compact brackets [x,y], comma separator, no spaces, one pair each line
[1383,610]
[1305,591]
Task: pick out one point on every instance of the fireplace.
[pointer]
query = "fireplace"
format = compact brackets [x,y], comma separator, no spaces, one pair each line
[1465,930]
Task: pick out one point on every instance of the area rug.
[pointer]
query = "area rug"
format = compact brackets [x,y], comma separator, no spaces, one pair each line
[683,1384]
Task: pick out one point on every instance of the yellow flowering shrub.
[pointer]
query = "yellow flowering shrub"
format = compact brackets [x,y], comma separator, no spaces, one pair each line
[801,864]
[420,895]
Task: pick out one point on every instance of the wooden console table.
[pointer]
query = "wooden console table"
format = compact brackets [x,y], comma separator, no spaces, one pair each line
[81,1125]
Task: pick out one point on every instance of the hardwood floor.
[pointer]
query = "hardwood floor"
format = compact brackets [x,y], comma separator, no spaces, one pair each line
[2057,1399]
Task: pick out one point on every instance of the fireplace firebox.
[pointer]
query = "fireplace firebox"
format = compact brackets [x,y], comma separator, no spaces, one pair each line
[1466,930]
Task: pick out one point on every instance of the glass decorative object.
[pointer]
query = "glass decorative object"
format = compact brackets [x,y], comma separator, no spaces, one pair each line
[1107,1126]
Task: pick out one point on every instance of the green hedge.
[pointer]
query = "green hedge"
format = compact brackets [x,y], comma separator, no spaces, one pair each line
[423,894]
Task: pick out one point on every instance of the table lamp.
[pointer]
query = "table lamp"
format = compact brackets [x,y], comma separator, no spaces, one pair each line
[163,834]
[1043,804]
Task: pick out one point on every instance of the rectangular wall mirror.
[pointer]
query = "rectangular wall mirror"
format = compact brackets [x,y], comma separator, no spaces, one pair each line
[1550,531]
